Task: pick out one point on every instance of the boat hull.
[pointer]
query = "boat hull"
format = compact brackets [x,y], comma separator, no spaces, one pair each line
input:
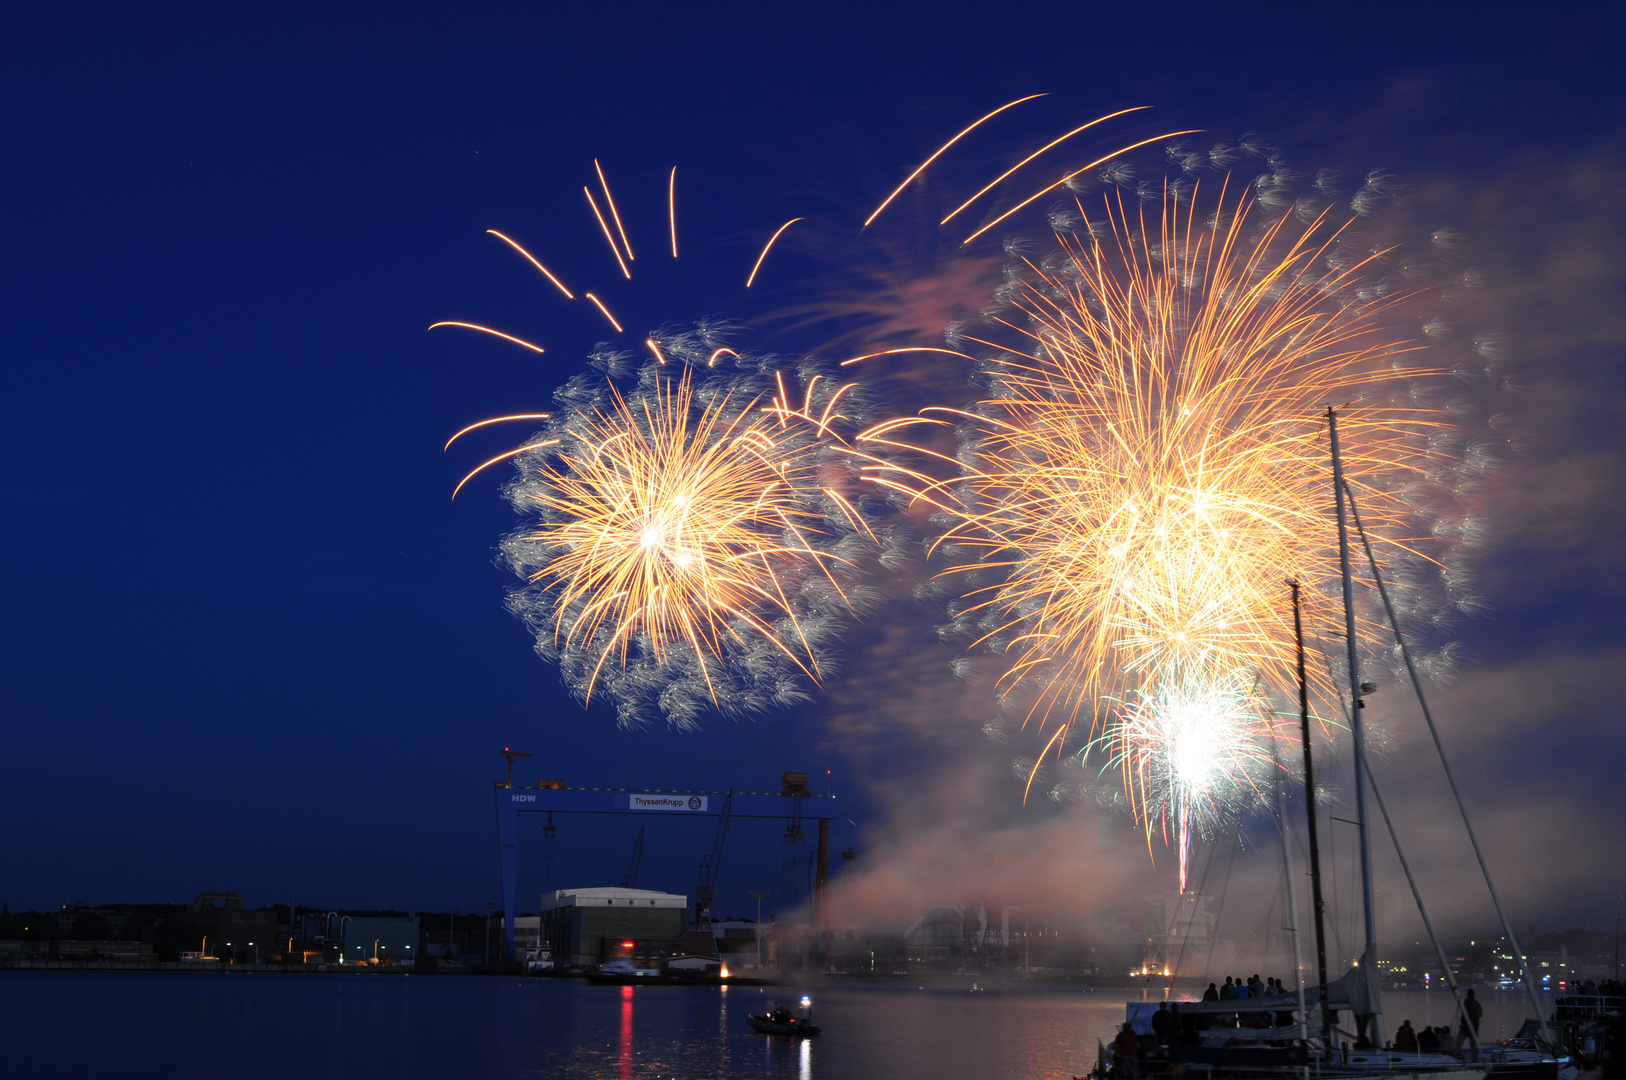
[796,1029]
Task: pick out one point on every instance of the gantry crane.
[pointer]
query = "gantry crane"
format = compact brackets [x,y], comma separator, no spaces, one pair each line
[547,796]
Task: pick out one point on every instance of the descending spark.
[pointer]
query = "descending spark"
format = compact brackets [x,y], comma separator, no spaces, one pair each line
[939,153]
[1102,160]
[909,349]
[489,330]
[671,207]
[766,248]
[504,456]
[511,242]
[607,237]
[494,420]
[1051,145]
[605,311]
[610,202]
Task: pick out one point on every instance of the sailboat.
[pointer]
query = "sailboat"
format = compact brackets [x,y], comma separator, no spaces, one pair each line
[1298,1033]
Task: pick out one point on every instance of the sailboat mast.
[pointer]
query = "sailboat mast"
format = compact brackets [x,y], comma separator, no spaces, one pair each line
[1316,901]
[1356,728]
[1451,778]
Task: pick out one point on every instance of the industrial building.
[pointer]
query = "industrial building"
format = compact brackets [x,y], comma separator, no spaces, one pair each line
[374,939]
[229,930]
[587,926]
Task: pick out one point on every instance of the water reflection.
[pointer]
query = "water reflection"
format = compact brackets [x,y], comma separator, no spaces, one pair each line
[563,1029]
[626,1033]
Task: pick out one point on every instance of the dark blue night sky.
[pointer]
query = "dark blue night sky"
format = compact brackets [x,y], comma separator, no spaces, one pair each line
[249,641]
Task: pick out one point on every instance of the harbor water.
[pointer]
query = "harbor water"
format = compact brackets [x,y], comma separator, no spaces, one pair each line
[181,1026]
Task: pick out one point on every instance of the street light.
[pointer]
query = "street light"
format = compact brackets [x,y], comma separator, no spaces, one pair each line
[759,898]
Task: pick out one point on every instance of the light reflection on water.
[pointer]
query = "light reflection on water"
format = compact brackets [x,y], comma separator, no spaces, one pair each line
[626,1032]
[180,1026]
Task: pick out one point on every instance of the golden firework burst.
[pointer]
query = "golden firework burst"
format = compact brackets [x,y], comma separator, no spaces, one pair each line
[1150,462]
[689,534]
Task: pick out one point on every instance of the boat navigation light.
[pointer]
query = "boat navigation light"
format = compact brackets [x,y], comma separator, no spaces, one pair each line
[806,1001]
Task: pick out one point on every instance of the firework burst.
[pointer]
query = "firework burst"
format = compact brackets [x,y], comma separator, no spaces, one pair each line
[691,542]
[1191,752]
[1151,462]
[693,531]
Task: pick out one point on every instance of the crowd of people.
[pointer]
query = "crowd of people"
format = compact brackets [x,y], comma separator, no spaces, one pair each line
[1432,1040]
[1170,1027]
[1587,988]
[1236,988]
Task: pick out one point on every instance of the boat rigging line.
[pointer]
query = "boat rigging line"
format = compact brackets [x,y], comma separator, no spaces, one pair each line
[1422,909]
[1292,892]
[1439,746]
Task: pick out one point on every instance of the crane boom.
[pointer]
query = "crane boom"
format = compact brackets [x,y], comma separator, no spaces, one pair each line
[630,879]
[705,889]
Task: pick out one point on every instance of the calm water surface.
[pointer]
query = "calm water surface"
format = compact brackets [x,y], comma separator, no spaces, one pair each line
[180,1026]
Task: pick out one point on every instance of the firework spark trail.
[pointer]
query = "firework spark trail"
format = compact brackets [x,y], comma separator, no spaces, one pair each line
[1150,463]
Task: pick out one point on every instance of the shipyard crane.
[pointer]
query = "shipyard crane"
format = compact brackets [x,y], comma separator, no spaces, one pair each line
[629,880]
[509,755]
[711,865]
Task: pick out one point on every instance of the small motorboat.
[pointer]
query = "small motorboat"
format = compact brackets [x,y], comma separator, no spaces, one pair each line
[781,1021]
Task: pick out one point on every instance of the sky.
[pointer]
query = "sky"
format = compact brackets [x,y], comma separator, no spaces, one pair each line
[252,643]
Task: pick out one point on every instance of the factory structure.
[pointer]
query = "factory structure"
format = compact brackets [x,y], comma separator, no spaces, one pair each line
[581,928]
[587,927]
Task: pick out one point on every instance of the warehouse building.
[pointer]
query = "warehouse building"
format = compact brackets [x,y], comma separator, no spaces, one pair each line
[377,940]
[588,926]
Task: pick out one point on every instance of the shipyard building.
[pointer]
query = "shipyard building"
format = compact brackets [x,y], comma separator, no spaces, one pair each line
[587,926]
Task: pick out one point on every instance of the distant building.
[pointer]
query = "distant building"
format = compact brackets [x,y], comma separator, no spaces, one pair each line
[376,939]
[121,952]
[453,939]
[586,926]
[936,934]
[229,929]
[69,918]
[1180,937]
[735,940]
